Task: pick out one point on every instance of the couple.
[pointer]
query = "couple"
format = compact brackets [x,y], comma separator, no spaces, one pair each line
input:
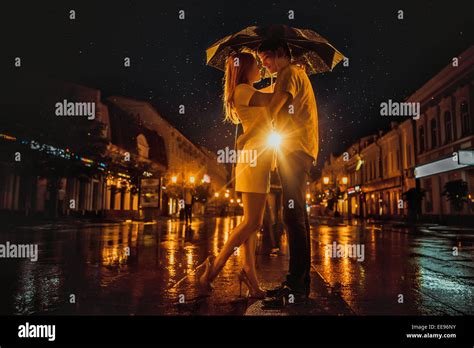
[291,108]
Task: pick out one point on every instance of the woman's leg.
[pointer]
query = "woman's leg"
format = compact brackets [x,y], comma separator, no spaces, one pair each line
[248,260]
[254,206]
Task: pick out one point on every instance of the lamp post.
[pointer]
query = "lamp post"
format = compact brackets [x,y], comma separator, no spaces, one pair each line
[328,183]
[344,182]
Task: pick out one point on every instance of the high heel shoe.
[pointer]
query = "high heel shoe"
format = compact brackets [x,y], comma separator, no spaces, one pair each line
[254,293]
[204,282]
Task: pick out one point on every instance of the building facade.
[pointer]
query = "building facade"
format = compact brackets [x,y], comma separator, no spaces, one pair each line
[132,152]
[33,191]
[446,127]
[189,165]
[431,154]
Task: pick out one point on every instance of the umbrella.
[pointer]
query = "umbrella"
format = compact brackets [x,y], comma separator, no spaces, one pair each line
[306,46]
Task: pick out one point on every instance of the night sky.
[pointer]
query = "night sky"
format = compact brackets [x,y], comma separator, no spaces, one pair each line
[389,58]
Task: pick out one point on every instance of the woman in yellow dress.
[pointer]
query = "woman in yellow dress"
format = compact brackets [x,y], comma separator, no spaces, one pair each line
[246,105]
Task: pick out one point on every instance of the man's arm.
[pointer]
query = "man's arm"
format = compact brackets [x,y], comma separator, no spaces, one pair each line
[285,90]
[278,101]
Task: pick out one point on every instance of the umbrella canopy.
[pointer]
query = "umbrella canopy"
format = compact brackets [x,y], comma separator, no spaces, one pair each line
[306,46]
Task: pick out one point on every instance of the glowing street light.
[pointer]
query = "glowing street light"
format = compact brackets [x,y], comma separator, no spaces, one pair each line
[216,194]
[174,179]
[344,180]
[192,179]
[226,195]
[326,180]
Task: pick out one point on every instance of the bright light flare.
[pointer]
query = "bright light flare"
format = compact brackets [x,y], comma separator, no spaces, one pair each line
[274,139]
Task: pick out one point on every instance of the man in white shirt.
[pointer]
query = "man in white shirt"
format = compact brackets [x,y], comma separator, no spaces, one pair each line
[294,111]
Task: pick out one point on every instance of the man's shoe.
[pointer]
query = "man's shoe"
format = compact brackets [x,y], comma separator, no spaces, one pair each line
[285,297]
[276,291]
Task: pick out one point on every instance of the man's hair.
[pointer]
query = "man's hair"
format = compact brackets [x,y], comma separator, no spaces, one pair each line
[278,47]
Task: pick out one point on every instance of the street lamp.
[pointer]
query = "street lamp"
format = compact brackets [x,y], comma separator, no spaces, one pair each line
[174,179]
[344,180]
[192,179]
[326,180]
[216,194]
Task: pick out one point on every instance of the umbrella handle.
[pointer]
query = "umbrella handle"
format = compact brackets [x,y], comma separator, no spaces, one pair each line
[235,139]
[235,145]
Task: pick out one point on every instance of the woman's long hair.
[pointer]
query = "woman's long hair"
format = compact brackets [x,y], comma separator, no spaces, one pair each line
[237,68]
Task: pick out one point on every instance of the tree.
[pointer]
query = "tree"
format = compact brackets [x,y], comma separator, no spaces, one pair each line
[202,192]
[456,192]
[414,197]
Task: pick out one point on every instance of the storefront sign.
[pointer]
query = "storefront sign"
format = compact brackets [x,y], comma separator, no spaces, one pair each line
[150,193]
[353,189]
[466,157]
[441,166]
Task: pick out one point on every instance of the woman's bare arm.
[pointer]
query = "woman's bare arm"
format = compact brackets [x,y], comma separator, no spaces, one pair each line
[268,89]
[273,101]
[260,99]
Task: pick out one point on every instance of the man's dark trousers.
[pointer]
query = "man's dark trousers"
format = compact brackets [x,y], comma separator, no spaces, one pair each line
[294,173]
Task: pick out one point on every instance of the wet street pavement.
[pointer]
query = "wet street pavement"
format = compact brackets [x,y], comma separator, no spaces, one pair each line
[152,269]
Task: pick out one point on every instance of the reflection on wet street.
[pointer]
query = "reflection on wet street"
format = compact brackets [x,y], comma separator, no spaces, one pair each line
[404,271]
[151,269]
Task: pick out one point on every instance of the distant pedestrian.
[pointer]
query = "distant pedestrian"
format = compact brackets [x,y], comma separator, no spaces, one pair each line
[188,205]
